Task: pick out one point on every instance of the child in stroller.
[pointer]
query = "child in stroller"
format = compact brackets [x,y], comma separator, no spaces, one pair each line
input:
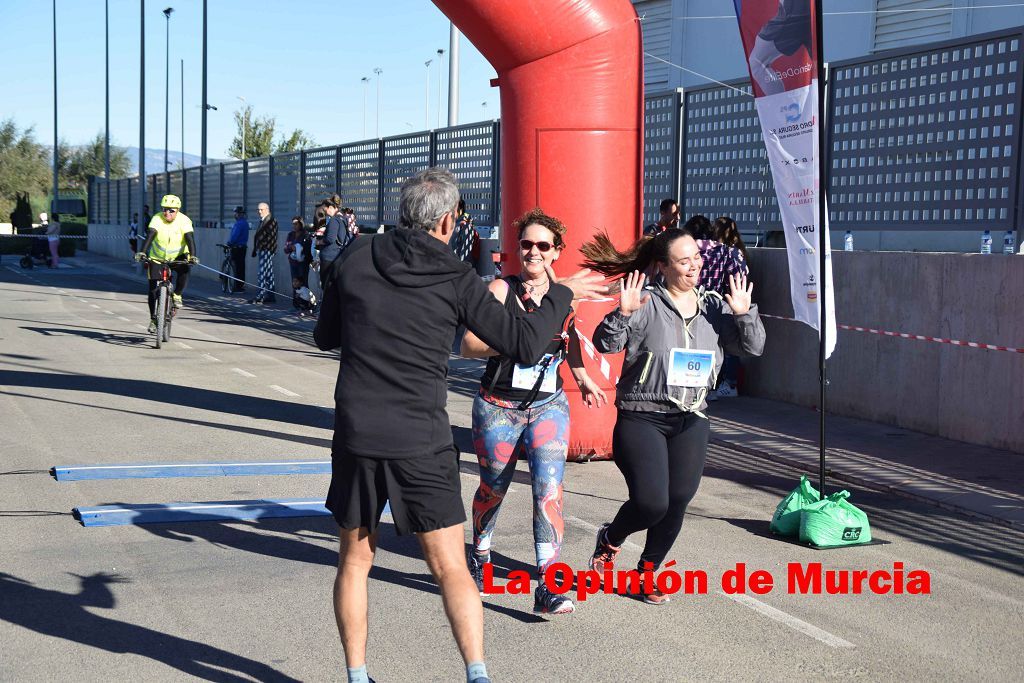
[39,252]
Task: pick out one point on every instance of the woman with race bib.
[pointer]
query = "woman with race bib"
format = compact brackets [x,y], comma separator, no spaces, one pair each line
[522,410]
[675,335]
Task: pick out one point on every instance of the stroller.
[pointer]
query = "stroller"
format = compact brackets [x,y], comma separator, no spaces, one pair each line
[39,253]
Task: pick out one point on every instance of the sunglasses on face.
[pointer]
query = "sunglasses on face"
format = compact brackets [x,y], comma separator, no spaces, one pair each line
[527,245]
[170,211]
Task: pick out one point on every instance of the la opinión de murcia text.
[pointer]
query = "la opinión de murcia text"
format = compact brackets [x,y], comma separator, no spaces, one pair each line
[800,579]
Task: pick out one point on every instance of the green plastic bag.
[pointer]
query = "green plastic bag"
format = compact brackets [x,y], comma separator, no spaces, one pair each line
[834,521]
[786,520]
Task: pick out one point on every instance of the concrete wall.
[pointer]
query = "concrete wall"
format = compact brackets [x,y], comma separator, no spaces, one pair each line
[112,240]
[956,392]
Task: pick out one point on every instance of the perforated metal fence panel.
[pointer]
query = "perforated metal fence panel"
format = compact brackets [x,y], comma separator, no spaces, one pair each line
[725,163]
[286,186]
[211,195]
[928,138]
[662,121]
[404,156]
[359,170]
[192,195]
[320,177]
[176,184]
[469,152]
[257,188]
[234,190]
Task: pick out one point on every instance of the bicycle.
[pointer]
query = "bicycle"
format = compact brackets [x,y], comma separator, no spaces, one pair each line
[165,310]
[227,270]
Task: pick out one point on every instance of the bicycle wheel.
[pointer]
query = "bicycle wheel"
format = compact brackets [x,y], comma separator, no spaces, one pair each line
[227,268]
[161,315]
[167,323]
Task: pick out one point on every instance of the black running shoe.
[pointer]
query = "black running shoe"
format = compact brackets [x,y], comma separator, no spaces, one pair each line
[546,602]
[604,552]
[476,568]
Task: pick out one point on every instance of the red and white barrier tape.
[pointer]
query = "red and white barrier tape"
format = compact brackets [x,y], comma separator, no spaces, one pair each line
[904,335]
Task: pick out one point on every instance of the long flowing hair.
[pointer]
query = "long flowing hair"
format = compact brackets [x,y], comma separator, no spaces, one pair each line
[601,255]
[728,234]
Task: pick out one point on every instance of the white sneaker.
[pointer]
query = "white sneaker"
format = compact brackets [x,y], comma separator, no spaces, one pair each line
[726,390]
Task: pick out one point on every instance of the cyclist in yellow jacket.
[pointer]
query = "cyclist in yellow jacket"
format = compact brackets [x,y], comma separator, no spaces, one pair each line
[169,238]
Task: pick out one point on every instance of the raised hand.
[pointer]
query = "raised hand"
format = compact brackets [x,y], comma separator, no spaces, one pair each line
[632,297]
[738,297]
[584,283]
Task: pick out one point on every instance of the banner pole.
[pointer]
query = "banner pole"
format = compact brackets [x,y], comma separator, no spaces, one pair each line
[819,19]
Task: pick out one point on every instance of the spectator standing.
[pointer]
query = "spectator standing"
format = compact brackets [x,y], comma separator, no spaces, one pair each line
[465,242]
[53,237]
[299,248]
[147,215]
[264,247]
[392,310]
[238,242]
[335,238]
[668,217]
[724,256]
[133,235]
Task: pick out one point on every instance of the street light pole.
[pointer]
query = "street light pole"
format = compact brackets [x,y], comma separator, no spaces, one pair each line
[366,82]
[453,75]
[182,156]
[440,66]
[167,86]
[206,106]
[106,126]
[426,96]
[245,121]
[56,156]
[142,106]
[378,71]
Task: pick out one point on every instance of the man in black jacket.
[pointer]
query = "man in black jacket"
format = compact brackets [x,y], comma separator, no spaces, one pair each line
[392,303]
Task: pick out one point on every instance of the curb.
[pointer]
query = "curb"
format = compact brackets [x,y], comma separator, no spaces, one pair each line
[866,483]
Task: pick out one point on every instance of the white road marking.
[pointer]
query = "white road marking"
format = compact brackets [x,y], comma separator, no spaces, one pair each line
[108,312]
[184,345]
[211,358]
[123,319]
[593,528]
[790,621]
[242,372]
[286,392]
[94,305]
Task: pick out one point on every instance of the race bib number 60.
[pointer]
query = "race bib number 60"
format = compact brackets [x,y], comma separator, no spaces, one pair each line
[690,368]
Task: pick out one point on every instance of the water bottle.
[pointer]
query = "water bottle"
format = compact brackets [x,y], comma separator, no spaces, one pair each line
[986,242]
[1008,244]
[848,241]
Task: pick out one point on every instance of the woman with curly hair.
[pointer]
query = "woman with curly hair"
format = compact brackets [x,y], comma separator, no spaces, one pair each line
[522,410]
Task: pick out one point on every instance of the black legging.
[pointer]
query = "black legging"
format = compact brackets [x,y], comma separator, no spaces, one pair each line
[180,281]
[661,455]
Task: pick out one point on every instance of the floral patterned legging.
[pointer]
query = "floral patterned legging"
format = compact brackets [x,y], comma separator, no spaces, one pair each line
[500,434]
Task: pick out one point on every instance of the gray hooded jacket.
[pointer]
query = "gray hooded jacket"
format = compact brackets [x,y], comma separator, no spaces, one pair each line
[649,335]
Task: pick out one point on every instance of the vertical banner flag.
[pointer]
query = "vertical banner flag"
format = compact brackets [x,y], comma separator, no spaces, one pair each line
[779,40]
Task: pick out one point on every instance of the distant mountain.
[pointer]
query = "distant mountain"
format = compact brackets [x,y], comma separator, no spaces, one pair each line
[155,160]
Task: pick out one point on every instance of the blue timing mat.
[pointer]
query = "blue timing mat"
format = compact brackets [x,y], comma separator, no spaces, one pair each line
[155,513]
[186,469]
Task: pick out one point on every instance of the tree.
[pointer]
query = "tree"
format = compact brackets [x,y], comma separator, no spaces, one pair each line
[24,166]
[87,160]
[259,136]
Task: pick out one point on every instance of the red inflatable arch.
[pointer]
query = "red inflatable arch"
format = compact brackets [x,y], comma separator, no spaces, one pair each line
[571,80]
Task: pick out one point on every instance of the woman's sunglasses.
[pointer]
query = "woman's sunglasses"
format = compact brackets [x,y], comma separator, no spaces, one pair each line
[527,245]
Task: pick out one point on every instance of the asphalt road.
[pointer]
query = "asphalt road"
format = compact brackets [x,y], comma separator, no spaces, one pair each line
[80,383]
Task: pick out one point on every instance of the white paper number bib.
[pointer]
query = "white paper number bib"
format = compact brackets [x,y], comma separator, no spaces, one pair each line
[525,376]
[690,368]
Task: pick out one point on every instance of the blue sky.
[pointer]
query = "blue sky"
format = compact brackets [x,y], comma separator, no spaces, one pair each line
[299,61]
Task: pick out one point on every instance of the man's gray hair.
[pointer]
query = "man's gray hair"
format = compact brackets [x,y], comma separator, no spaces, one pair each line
[426,198]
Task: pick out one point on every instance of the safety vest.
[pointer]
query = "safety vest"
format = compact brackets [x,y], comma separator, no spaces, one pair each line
[169,242]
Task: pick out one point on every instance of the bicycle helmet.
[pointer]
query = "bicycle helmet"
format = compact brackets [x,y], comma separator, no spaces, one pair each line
[170,201]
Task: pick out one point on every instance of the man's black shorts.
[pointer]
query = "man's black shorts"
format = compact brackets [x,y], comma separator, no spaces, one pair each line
[424,493]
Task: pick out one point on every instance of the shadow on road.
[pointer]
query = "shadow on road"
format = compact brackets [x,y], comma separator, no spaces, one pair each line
[65,615]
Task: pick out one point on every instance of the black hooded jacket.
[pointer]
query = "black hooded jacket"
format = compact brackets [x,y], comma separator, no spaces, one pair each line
[393,310]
